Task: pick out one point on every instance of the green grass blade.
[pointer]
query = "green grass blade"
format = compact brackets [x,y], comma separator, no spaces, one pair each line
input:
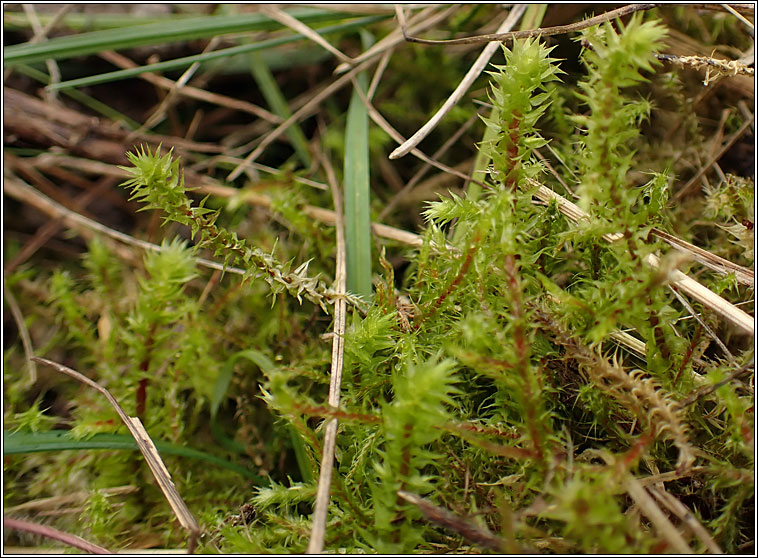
[155,33]
[278,104]
[59,440]
[357,196]
[181,63]
[89,21]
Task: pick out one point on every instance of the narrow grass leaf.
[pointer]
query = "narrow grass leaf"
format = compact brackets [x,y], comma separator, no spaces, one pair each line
[154,33]
[357,199]
[278,104]
[180,63]
[21,442]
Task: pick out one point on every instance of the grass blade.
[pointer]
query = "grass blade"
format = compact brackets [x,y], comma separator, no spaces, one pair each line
[155,33]
[180,63]
[59,440]
[278,104]
[357,198]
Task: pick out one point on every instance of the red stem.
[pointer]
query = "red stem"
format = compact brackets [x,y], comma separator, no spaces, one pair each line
[51,533]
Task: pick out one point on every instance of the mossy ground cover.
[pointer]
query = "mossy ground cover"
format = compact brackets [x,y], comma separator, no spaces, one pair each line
[534,335]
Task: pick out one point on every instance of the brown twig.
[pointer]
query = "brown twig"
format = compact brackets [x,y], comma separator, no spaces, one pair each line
[702,392]
[452,522]
[540,31]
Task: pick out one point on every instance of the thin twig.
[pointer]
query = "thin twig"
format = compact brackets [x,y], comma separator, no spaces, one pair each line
[26,341]
[299,27]
[55,534]
[732,140]
[675,506]
[335,86]
[394,134]
[707,390]
[722,67]
[686,284]
[425,19]
[318,528]
[656,516]
[146,446]
[476,68]
[540,31]
[452,522]
[192,92]
[705,326]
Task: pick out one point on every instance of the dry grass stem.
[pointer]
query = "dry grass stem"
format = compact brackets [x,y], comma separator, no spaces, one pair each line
[160,112]
[192,92]
[704,325]
[76,497]
[743,274]
[299,27]
[427,18]
[702,294]
[707,390]
[738,15]
[416,178]
[24,193]
[650,509]
[40,34]
[379,72]
[146,446]
[335,86]
[675,506]
[318,528]
[395,135]
[476,69]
